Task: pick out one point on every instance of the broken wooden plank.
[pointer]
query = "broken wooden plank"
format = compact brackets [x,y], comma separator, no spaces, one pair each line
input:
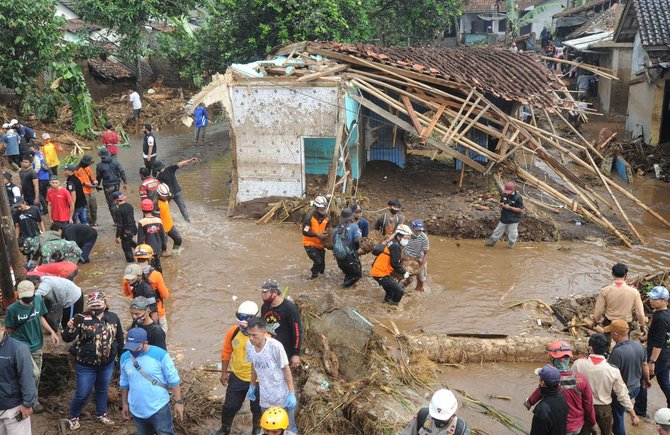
[412,115]
[433,122]
[326,72]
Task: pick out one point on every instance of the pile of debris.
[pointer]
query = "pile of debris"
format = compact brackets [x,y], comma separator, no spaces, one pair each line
[160,109]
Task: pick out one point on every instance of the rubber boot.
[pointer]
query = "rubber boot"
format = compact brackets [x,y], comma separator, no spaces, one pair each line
[490,242]
[511,245]
[225,427]
[256,425]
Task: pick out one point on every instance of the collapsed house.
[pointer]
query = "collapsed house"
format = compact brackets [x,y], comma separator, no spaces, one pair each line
[329,108]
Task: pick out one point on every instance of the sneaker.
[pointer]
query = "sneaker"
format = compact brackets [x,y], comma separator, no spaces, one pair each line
[511,245]
[104,419]
[74,423]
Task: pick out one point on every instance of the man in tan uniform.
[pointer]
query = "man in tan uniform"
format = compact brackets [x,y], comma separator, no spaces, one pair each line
[618,300]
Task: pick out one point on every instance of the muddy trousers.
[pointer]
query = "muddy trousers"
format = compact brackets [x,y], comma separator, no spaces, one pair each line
[512,232]
[37,367]
[236,394]
[351,267]
[175,236]
[318,257]
[128,245]
[393,289]
[91,209]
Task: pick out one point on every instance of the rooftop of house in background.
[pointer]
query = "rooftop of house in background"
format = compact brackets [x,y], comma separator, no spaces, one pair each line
[511,76]
[477,6]
[653,17]
[582,8]
[604,22]
[77,24]
[109,69]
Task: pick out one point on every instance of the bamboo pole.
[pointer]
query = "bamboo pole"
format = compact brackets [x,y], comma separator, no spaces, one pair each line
[553,130]
[574,130]
[582,65]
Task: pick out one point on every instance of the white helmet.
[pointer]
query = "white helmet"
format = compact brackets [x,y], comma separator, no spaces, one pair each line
[5,126]
[403,230]
[163,190]
[442,405]
[320,202]
[248,308]
[13,122]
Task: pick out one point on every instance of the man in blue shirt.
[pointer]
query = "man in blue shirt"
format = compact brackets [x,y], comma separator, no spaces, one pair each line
[11,142]
[363,223]
[147,373]
[201,121]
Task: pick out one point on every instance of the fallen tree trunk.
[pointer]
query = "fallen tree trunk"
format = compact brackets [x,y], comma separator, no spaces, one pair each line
[459,350]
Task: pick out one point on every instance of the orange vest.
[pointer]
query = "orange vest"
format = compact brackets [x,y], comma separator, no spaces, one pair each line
[382,265]
[315,227]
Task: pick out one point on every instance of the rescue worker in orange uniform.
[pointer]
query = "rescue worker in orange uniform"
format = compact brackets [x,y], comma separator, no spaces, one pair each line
[314,229]
[387,223]
[388,261]
[143,255]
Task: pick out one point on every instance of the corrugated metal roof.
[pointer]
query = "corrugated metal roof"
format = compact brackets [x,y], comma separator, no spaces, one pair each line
[584,43]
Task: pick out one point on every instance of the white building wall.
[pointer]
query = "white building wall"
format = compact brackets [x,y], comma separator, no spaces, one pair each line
[64,11]
[544,18]
[270,123]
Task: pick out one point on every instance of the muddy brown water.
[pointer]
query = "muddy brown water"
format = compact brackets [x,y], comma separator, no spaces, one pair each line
[225,260]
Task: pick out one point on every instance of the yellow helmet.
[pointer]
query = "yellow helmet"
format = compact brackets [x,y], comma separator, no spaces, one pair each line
[274,418]
[144,251]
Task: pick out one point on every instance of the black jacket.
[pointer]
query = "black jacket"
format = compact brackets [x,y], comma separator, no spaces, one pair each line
[17,385]
[109,172]
[509,216]
[99,340]
[550,416]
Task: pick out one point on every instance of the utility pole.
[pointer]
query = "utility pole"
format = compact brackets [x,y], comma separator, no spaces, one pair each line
[11,258]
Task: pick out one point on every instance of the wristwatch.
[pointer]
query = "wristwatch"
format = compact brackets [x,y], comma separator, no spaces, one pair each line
[651,361]
[179,402]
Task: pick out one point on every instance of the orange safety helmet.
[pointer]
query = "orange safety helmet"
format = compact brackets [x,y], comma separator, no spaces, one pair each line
[559,349]
[144,251]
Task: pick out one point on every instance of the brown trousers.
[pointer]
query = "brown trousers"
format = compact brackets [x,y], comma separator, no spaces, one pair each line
[603,418]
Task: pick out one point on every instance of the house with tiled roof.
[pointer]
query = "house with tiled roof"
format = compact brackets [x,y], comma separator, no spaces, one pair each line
[485,21]
[645,25]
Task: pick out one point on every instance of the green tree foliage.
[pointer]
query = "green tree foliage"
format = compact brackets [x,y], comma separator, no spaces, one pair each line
[30,31]
[240,31]
[128,17]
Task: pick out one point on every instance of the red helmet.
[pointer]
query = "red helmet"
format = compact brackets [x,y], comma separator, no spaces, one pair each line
[147,205]
[559,349]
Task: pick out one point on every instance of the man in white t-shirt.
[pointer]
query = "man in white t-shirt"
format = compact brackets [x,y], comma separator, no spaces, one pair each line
[136,102]
[270,367]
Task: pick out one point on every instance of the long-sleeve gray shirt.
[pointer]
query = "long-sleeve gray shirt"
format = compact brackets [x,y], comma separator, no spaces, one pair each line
[16,373]
[58,291]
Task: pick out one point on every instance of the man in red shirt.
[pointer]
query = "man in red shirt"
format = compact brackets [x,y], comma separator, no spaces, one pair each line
[110,139]
[574,387]
[61,206]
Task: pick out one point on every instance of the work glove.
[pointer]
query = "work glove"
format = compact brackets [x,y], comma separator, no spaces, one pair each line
[251,393]
[291,401]
[406,275]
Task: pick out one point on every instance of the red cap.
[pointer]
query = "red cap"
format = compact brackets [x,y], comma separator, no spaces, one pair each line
[147,205]
[510,187]
[559,349]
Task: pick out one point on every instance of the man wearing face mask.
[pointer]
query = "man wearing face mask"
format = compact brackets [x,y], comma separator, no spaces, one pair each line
[359,220]
[25,321]
[388,222]
[143,255]
[314,228]
[550,416]
[236,371]
[135,284]
[140,311]
[512,208]
[283,317]
[388,261]
[99,338]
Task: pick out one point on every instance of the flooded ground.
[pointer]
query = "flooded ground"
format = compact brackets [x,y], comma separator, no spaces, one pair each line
[225,260]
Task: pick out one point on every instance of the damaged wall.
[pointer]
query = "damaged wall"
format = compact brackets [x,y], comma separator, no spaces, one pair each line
[645,108]
[270,122]
[613,94]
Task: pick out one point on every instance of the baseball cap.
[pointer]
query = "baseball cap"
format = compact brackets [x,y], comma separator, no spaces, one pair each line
[136,338]
[356,208]
[509,187]
[87,160]
[417,225]
[139,303]
[46,136]
[25,289]
[18,200]
[393,202]
[662,417]
[618,325]
[7,175]
[118,196]
[96,298]
[53,177]
[70,168]
[549,374]
[270,284]
[346,213]
[658,292]
[132,272]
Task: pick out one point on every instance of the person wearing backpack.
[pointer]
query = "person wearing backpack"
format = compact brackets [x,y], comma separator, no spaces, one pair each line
[346,241]
[236,371]
[136,284]
[388,261]
[143,256]
[314,229]
[439,418]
